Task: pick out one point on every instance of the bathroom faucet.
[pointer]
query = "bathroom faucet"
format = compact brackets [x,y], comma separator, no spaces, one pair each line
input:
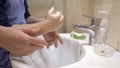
[92,29]
[94,20]
[87,29]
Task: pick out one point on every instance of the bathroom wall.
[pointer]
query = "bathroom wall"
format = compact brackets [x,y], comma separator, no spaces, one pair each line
[39,8]
[74,9]
[112,35]
[91,7]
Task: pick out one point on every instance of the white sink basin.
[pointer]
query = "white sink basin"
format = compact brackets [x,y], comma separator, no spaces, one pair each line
[68,53]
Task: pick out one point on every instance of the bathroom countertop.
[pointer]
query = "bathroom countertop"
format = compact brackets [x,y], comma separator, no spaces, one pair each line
[92,60]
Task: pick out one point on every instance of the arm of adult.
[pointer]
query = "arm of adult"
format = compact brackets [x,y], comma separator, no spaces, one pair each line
[18,41]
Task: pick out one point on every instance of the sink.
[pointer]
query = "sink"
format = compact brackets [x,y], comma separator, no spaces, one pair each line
[68,53]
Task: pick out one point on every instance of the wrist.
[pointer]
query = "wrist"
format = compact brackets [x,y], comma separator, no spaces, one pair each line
[43,25]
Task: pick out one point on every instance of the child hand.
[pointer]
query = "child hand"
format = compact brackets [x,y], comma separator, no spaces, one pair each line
[53,38]
[54,19]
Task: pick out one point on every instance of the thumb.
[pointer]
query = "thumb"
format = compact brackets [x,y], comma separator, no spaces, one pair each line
[51,11]
[31,31]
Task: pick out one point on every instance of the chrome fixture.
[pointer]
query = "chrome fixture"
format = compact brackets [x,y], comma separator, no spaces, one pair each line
[92,29]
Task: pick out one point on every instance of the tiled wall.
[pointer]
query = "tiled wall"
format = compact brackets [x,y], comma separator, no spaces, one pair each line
[39,8]
[115,24]
[74,11]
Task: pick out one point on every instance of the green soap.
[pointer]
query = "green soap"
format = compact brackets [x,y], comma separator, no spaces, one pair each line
[82,37]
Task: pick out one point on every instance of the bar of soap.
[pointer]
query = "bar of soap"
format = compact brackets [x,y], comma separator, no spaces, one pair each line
[78,37]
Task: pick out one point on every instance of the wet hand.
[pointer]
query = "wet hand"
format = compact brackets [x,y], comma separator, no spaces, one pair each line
[53,38]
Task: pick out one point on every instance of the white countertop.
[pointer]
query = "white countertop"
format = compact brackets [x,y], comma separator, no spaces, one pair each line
[92,60]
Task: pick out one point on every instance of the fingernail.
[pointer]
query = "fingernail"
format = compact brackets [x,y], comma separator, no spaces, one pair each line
[47,47]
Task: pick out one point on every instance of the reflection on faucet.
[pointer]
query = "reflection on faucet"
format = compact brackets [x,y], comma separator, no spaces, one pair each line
[91,30]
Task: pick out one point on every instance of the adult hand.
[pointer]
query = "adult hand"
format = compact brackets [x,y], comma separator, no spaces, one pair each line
[18,40]
[53,37]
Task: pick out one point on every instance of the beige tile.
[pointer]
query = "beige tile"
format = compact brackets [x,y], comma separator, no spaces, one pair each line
[39,8]
[113,31]
[75,10]
[73,13]
[116,6]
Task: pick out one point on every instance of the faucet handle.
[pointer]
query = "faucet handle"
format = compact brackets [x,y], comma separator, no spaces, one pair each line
[77,26]
[88,16]
[94,20]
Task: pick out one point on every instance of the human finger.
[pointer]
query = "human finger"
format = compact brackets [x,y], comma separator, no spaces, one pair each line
[33,47]
[50,44]
[30,31]
[58,14]
[62,18]
[56,43]
[51,11]
[60,39]
[37,41]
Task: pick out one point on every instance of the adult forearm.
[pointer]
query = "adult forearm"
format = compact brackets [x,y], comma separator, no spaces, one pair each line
[44,28]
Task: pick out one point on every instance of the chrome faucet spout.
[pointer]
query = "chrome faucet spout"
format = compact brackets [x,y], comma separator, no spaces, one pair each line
[87,29]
